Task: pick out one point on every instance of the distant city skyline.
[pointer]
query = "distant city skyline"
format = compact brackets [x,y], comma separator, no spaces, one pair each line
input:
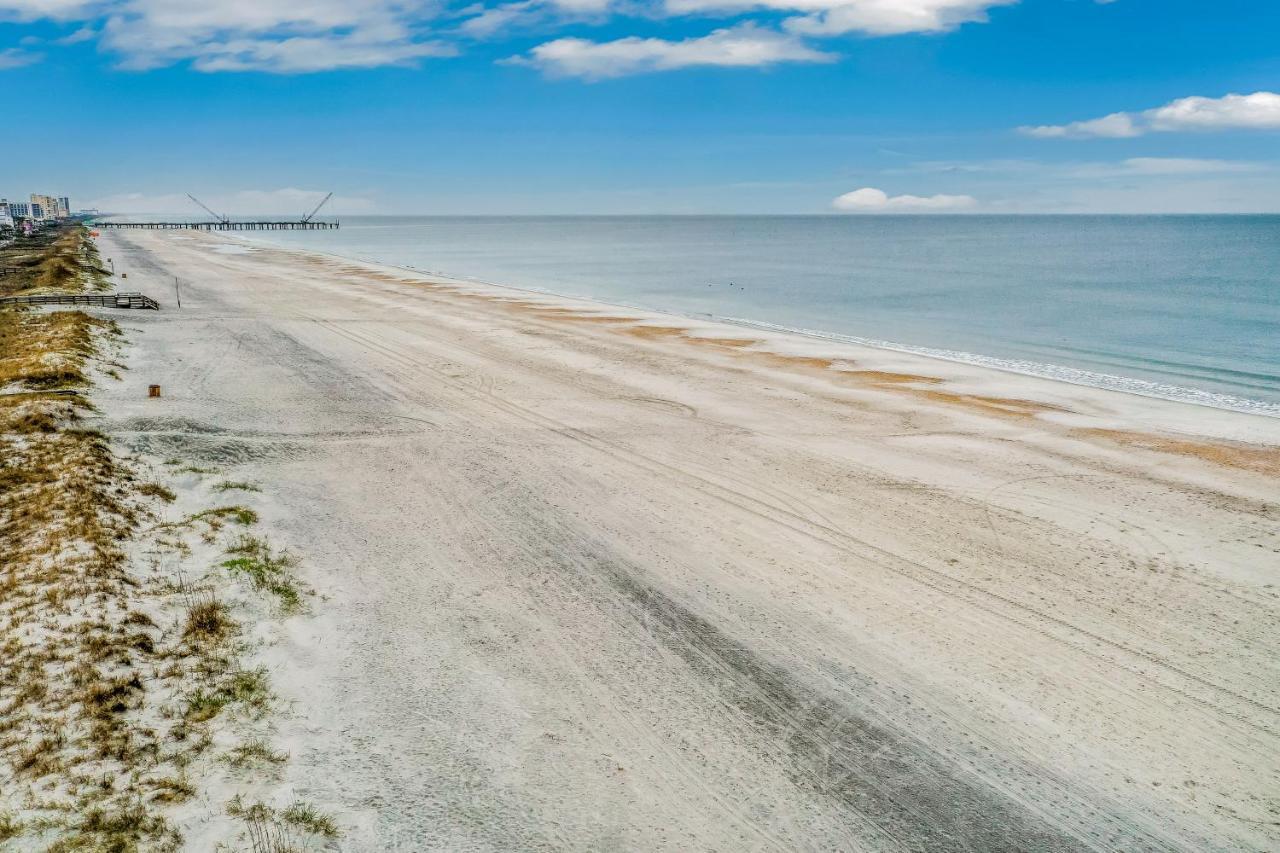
[38,206]
[661,106]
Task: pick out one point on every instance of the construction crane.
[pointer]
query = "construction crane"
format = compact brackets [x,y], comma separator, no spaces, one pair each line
[316,209]
[221,219]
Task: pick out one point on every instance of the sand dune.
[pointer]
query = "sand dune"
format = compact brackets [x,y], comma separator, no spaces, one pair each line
[600,580]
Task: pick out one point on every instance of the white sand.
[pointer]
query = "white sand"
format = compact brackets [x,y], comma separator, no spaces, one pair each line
[594,589]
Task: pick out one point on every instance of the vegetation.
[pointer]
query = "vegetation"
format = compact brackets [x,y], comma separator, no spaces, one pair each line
[231,485]
[114,667]
[59,258]
[289,830]
[271,571]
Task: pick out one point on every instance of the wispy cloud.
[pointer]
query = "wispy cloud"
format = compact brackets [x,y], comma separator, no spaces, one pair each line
[1130,167]
[280,36]
[15,57]
[58,10]
[240,203]
[1259,111]
[872,200]
[741,46]
[81,35]
[1187,166]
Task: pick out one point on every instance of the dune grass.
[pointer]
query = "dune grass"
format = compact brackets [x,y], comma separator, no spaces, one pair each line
[111,677]
[62,258]
[268,570]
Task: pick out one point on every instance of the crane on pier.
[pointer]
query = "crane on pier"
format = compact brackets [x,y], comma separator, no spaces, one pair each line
[221,219]
[316,209]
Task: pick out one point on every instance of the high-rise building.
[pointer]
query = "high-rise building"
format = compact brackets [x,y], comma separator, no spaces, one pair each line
[19,210]
[64,206]
[44,207]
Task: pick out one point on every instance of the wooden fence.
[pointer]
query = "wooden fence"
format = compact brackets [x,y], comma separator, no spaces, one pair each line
[102,300]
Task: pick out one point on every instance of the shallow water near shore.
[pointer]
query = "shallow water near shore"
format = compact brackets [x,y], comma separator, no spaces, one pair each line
[1181,307]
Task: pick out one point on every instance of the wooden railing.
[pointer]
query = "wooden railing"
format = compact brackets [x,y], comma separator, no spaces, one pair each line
[102,300]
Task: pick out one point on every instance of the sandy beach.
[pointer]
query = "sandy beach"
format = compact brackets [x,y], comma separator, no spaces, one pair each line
[591,578]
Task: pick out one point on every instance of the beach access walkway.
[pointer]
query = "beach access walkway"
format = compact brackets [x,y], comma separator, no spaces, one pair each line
[96,300]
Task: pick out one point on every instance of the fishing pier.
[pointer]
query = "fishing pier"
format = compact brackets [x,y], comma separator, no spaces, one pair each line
[226,223]
[222,225]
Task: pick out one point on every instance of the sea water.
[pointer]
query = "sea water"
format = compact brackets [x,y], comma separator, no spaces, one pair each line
[1183,307]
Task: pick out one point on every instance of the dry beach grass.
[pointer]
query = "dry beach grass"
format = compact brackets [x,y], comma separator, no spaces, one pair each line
[114,666]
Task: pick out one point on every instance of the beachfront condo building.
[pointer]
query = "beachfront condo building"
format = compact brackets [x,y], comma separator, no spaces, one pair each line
[44,207]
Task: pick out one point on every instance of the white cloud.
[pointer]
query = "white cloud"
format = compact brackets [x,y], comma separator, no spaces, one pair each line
[741,46]
[1259,111]
[893,17]
[34,10]
[872,200]
[81,35]
[481,22]
[872,17]
[14,57]
[1114,126]
[1041,171]
[281,36]
[492,20]
[1187,166]
[299,36]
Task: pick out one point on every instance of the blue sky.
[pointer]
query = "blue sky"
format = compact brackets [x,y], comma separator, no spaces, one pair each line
[645,106]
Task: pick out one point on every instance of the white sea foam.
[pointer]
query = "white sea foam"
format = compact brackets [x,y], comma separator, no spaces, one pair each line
[1131,290]
[1058,372]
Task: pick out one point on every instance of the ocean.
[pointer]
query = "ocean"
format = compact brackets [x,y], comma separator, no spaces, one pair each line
[1181,307]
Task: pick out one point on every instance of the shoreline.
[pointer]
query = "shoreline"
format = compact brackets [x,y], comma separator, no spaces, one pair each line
[1256,423]
[594,577]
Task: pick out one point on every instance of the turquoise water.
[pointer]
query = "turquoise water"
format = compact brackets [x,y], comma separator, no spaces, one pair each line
[1185,307]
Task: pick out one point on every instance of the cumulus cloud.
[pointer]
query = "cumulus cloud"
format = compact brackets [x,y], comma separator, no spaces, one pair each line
[871,17]
[1259,111]
[892,17]
[741,46]
[1114,126]
[872,200]
[281,36]
[484,22]
[298,36]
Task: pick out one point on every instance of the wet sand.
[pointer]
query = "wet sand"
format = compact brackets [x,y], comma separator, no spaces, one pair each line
[598,579]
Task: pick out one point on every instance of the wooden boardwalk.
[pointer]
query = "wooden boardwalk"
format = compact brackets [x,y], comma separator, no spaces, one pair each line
[100,300]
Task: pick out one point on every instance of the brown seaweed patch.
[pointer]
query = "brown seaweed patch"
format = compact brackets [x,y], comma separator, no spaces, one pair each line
[1248,457]
[808,361]
[884,377]
[569,315]
[888,379]
[654,332]
[1006,406]
[731,343]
